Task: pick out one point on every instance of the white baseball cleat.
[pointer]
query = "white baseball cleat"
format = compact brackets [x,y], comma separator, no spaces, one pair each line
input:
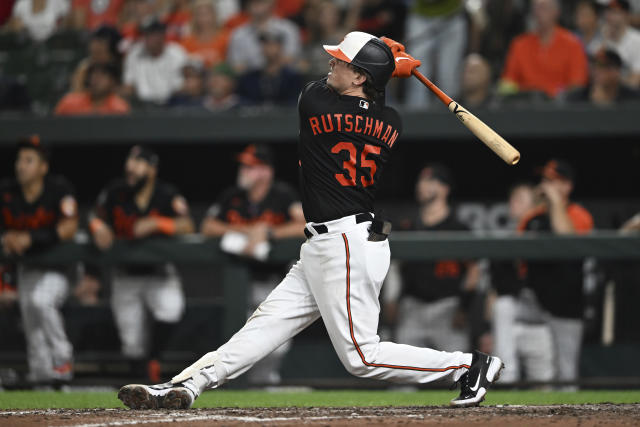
[484,371]
[167,395]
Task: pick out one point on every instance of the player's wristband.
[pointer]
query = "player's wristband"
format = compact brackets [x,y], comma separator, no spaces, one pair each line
[166,225]
[44,237]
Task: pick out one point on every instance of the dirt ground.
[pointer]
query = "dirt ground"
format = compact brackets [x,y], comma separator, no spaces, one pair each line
[538,416]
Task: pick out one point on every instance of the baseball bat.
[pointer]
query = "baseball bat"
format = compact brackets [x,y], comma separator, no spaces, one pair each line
[487,135]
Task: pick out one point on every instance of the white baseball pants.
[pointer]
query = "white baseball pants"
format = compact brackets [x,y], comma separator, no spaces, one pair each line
[132,296]
[41,293]
[338,278]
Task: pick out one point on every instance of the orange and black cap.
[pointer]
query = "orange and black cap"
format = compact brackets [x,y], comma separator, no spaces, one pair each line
[438,172]
[557,169]
[256,154]
[34,142]
[144,153]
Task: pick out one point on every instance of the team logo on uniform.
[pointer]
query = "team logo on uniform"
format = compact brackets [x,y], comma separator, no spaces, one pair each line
[364,104]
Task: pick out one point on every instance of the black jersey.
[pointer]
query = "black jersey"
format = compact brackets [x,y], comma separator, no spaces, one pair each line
[56,202]
[117,207]
[234,206]
[345,143]
[434,280]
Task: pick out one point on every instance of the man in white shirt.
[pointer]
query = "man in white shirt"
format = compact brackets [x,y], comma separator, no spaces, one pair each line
[153,66]
[245,49]
[39,18]
[620,36]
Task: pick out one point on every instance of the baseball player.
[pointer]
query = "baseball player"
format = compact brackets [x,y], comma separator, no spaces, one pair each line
[555,282]
[346,138]
[37,211]
[137,207]
[430,300]
[252,213]
[521,332]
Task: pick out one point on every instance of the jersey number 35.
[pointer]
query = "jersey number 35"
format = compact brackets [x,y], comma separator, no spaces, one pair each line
[348,178]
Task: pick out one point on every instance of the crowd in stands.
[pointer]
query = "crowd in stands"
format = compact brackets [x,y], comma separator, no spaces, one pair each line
[224,54]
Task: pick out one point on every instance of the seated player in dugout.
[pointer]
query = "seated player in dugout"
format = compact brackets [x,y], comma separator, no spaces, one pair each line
[346,256]
[248,216]
[429,301]
[135,207]
[38,211]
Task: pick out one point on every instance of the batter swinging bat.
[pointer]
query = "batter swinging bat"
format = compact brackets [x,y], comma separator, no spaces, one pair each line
[487,135]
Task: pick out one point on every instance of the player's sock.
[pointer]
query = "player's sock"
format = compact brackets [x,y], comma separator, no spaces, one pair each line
[204,379]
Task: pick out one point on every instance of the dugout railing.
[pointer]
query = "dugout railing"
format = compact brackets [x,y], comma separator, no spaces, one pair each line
[407,246]
[234,273]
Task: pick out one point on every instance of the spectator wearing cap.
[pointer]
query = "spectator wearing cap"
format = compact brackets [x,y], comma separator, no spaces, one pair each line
[153,66]
[558,285]
[245,52]
[102,49]
[192,93]
[549,59]
[428,301]
[588,28]
[92,14]
[99,97]
[606,86]
[39,18]
[207,40]
[624,39]
[221,86]
[249,217]
[277,83]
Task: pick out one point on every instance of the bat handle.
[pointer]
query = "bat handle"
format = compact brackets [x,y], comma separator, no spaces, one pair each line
[446,100]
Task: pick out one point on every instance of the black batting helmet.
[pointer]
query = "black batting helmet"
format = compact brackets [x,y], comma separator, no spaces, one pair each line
[367,52]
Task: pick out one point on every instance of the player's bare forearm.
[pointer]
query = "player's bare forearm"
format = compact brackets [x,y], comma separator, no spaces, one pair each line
[292,228]
[472,276]
[212,227]
[288,229]
[184,225]
[560,221]
[67,228]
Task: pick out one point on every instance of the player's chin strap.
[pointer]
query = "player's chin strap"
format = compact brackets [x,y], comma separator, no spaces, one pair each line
[206,362]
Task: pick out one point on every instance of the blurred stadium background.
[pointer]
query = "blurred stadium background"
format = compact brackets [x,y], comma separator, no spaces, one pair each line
[77,74]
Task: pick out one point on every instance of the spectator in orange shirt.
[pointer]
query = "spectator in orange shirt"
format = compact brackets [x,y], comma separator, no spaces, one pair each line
[99,97]
[207,40]
[549,59]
